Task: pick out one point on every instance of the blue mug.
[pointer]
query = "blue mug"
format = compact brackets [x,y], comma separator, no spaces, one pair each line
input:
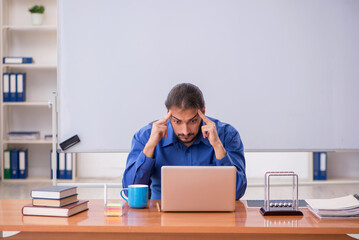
[137,195]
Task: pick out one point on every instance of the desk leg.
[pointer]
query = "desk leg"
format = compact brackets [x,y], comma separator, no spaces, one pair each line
[166,236]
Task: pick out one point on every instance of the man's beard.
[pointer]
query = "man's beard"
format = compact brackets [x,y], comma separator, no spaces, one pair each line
[188,140]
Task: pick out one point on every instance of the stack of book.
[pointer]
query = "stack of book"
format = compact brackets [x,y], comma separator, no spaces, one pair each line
[58,201]
[339,208]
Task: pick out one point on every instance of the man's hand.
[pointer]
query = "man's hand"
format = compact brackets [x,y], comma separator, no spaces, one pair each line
[159,130]
[209,131]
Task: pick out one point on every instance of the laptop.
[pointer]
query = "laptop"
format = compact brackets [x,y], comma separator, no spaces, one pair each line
[198,188]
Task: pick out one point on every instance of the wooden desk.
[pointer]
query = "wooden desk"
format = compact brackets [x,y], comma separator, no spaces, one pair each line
[150,224]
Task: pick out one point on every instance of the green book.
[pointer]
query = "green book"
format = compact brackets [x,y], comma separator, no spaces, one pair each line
[7,164]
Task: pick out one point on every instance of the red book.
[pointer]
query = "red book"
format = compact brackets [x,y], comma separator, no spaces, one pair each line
[65,211]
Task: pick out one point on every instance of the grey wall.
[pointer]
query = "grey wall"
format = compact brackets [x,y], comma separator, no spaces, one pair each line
[283,72]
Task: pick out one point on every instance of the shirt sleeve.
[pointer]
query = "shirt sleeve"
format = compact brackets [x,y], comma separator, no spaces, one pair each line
[235,157]
[138,167]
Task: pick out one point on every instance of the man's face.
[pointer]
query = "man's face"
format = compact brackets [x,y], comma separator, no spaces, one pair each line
[186,124]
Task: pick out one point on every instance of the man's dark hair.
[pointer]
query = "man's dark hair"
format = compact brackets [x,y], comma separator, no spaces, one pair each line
[185,96]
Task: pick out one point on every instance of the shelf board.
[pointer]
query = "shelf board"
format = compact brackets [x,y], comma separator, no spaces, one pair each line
[30,28]
[29,179]
[34,104]
[40,141]
[39,180]
[31,65]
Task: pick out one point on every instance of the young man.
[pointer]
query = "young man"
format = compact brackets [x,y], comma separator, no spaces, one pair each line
[184,137]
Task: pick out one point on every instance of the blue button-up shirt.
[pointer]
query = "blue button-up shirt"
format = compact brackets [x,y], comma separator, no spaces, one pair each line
[171,151]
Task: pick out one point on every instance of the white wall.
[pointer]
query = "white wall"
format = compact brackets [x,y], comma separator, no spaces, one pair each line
[101,165]
[343,165]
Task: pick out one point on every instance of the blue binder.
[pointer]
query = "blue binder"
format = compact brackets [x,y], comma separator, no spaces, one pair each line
[23,164]
[57,165]
[62,166]
[6,87]
[316,165]
[16,60]
[20,87]
[14,164]
[69,159]
[323,166]
[13,87]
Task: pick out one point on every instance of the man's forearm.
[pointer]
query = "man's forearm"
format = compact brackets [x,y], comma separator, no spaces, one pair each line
[148,150]
[219,151]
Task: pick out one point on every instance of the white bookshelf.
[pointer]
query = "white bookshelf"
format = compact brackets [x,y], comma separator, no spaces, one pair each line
[30,66]
[19,38]
[35,104]
[30,28]
[40,141]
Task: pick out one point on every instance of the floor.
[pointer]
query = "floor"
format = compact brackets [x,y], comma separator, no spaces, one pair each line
[21,190]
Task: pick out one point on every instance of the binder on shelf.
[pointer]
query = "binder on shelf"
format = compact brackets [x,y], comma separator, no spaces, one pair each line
[6,87]
[23,164]
[17,60]
[68,173]
[323,166]
[62,166]
[57,164]
[7,164]
[316,163]
[319,166]
[14,156]
[23,135]
[20,87]
[13,87]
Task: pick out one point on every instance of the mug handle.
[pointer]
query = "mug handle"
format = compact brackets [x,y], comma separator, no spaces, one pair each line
[124,197]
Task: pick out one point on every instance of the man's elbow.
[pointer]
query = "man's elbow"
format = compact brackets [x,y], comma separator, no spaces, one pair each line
[241,189]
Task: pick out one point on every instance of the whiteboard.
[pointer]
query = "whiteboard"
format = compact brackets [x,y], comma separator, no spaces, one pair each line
[284,73]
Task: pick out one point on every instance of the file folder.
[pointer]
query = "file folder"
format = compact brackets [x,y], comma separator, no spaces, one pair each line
[6,87]
[68,174]
[23,164]
[14,155]
[62,166]
[17,60]
[13,87]
[316,165]
[323,166]
[20,87]
[57,164]
[7,164]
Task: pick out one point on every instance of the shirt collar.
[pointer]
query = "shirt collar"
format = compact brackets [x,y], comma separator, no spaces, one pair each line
[172,138]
